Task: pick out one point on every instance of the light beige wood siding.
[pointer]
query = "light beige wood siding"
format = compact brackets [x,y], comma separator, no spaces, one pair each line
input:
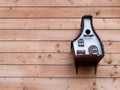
[35,38]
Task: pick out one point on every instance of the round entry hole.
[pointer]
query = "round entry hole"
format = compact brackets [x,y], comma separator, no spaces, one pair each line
[87,31]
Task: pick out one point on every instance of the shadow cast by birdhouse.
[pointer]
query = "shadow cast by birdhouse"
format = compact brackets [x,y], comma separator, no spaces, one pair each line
[86,71]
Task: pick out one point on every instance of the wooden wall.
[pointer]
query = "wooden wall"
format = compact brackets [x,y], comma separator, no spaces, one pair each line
[35,38]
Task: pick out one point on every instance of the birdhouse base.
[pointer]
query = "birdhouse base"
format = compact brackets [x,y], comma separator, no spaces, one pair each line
[87,60]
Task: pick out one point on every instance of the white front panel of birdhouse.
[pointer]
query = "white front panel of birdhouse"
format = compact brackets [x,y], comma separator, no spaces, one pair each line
[87,43]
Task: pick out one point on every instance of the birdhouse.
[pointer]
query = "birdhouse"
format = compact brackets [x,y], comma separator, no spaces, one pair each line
[87,46]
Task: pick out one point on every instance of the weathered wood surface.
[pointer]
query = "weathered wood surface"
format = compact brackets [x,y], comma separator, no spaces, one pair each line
[56,71]
[56,24]
[35,51]
[54,35]
[49,46]
[59,3]
[67,12]
[50,59]
[59,83]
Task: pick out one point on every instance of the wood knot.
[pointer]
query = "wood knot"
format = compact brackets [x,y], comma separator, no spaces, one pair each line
[39,56]
[49,55]
[115,66]
[24,61]
[110,43]
[116,72]
[10,8]
[50,78]
[101,86]
[111,75]
[58,51]
[72,2]
[25,88]
[97,13]
[57,45]
[110,61]
[94,83]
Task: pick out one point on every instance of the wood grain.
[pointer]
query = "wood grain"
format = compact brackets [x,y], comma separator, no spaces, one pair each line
[50,59]
[59,3]
[35,51]
[54,35]
[44,83]
[56,24]
[67,12]
[49,46]
[59,83]
[56,71]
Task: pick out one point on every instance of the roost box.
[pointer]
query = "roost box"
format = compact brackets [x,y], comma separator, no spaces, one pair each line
[87,46]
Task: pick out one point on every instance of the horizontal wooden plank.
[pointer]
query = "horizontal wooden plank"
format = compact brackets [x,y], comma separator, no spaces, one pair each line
[54,34]
[59,3]
[59,83]
[42,12]
[49,46]
[51,58]
[57,71]
[30,46]
[56,23]
[44,84]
